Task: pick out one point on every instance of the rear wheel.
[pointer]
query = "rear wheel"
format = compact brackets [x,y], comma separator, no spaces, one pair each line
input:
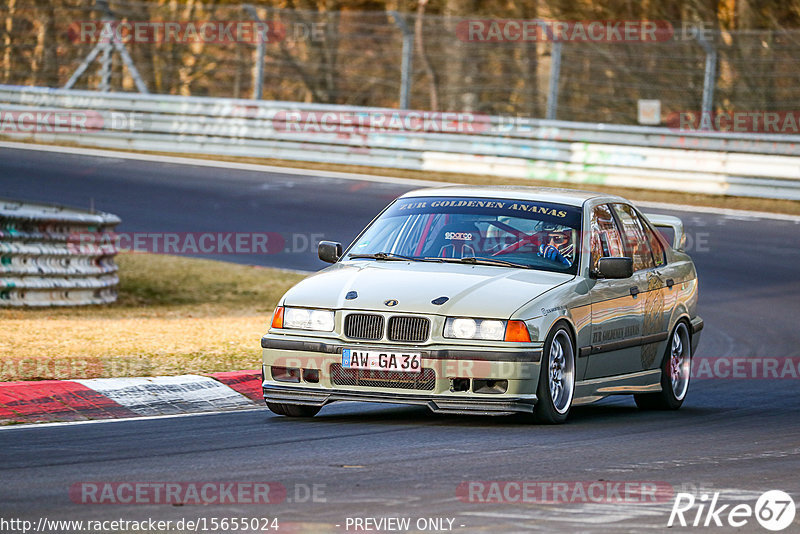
[556,378]
[675,370]
[293,410]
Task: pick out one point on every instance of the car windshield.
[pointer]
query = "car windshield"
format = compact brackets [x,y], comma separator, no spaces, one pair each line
[500,232]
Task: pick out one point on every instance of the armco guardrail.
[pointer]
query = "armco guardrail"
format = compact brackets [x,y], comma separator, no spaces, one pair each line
[55,256]
[757,165]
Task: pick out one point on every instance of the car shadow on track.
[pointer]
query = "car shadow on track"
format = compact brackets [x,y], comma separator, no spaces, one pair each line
[614,411]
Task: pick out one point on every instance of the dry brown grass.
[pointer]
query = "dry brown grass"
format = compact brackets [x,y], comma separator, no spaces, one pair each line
[174,315]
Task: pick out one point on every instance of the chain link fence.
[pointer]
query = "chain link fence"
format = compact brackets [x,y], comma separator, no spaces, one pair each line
[387,59]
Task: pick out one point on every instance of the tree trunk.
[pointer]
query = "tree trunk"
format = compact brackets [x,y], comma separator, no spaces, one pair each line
[433,80]
[7,44]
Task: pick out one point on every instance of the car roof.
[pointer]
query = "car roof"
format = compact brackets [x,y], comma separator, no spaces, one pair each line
[570,197]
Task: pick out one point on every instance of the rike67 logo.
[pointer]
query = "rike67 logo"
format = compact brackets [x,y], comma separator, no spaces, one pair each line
[774,510]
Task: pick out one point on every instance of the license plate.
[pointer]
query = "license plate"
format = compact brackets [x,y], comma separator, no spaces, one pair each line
[409,362]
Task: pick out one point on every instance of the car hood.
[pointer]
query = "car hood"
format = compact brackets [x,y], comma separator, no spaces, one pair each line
[472,290]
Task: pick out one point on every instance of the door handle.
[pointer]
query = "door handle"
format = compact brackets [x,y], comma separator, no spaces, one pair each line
[670,283]
[634,291]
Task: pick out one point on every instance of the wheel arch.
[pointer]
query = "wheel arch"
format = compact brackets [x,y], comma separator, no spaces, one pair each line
[570,326]
[685,319]
[679,312]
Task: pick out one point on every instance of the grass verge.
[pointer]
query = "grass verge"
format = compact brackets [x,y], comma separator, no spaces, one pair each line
[174,315]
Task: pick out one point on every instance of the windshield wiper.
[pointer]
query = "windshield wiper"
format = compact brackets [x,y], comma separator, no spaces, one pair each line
[487,261]
[390,256]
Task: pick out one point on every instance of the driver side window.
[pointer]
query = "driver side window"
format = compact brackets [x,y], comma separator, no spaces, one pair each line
[605,238]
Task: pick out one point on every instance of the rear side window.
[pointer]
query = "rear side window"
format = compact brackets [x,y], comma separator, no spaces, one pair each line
[605,238]
[635,239]
[655,244]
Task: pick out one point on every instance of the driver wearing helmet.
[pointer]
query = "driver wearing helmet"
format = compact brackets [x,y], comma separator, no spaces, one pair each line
[556,245]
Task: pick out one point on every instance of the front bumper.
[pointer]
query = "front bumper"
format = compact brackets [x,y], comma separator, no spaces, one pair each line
[518,365]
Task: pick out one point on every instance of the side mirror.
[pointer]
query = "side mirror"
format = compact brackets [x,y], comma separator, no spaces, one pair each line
[615,267]
[329,251]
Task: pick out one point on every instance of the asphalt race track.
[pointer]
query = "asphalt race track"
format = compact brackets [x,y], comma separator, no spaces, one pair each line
[739,437]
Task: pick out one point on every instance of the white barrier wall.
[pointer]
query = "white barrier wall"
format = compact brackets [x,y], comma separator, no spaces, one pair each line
[757,165]
[55,256]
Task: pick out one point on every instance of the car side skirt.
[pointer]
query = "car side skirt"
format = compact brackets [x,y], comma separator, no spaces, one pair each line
[587,391]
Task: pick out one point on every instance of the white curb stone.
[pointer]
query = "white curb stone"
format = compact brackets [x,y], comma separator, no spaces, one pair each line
[167,395]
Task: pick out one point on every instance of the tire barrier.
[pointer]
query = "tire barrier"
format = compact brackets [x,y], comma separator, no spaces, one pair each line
[56,256]
[657,158]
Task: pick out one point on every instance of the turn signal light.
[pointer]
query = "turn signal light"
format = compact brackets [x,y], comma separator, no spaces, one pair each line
[517,332]
[277,317]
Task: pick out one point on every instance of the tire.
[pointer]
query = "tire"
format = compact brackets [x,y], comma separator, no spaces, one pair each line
[293,410]
[556,387]
[675,373]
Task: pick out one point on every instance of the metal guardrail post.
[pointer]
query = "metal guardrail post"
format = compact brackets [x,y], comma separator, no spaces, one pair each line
[709,75]
[56,256]
[555,75]
[408,57]
[82,67]
[258,72]
[134,72]
[105,68]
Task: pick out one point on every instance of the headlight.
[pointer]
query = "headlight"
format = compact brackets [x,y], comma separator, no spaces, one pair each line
[306,319]
[466,328]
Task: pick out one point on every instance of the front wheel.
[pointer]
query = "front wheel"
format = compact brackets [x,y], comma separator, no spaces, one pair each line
[556,378]
[293,410]
[675,370]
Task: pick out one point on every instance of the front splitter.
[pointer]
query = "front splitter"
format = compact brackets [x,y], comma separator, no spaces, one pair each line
[436,403]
